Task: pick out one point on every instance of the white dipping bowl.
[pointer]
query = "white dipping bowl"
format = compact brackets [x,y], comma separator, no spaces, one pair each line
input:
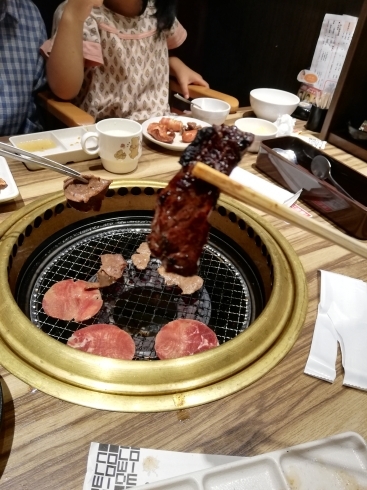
[269,103]
[260,128]
[213,111]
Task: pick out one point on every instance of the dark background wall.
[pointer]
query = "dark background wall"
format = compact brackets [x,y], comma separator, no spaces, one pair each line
[238,45]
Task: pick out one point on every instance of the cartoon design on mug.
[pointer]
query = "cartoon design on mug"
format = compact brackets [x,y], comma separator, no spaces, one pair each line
[120,155]
[134,147]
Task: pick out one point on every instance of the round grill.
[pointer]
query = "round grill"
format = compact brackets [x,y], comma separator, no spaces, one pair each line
[254,297]
[140,303]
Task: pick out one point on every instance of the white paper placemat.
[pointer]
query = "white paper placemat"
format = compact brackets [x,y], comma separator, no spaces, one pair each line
[112,467]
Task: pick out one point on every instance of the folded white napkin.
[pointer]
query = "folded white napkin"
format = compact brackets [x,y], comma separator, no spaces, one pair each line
[341,318]
[264,187]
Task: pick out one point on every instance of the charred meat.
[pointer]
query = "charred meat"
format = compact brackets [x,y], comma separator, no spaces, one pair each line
[180,225]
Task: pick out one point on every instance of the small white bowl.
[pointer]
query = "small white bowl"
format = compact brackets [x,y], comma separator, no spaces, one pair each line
[260,128]
[213,111]
[269,103]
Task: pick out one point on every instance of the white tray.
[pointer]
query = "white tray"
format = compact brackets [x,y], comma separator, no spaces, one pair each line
[67,147]
[335,463]
[10,192]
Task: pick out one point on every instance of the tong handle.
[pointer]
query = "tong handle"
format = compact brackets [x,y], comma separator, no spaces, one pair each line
[18,154]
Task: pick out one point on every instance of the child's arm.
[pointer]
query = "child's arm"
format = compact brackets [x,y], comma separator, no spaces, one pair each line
[184,75]
[65,65]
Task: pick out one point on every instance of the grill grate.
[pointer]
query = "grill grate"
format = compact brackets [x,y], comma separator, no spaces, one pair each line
[139,303]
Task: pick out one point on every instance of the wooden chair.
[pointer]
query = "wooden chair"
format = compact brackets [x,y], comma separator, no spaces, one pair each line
[58,112]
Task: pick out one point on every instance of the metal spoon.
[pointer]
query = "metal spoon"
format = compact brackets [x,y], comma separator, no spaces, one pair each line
[178,96]
[321,168]
[288,154]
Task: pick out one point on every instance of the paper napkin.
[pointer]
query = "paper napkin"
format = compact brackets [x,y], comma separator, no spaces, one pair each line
[264,187]
[341,319]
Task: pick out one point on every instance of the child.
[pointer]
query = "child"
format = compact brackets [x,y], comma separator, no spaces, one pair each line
[112,57]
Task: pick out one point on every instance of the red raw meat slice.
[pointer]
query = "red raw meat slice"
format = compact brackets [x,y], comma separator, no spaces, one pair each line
[69,299]
[104,340]
[184,337]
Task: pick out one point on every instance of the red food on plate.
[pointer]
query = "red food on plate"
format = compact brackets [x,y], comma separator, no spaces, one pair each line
[71,300]
[172,124]
[188,135]
[184,337]
[104,340]
[160,132]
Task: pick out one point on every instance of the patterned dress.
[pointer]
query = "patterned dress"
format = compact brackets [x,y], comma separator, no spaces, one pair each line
[126,64]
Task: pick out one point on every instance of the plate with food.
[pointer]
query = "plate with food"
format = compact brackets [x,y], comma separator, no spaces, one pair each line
[172,132]
[8,187]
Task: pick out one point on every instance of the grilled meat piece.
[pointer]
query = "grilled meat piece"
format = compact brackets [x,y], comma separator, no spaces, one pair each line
[188,135]
[180,225]
[141,257]
[85,197]
[188,285]
[112,268]
[172,124]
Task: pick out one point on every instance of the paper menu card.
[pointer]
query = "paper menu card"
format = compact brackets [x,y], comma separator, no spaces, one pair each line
[331,49]
[113,467]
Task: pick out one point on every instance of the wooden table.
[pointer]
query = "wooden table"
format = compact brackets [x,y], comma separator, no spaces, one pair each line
[44,441]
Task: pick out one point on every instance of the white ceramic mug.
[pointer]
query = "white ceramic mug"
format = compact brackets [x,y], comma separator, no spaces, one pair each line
[118,143]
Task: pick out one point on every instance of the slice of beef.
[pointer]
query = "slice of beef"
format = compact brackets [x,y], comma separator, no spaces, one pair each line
[104,340]
[86,197]
[142,256]
[112,268]
[184,337]
[180,225]
[188,284]
[71,300]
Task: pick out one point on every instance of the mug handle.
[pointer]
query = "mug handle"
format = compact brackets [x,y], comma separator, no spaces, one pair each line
[85,138]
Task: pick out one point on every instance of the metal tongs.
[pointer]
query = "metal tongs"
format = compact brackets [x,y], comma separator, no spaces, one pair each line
[22,155]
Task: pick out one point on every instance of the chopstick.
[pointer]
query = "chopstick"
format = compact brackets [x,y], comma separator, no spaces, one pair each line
[263,203]
[21,155]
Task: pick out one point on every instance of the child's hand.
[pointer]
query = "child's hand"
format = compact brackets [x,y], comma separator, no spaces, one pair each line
[185,76]
[81,9]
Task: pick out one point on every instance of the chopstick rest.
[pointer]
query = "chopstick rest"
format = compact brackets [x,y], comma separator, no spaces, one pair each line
[341,319]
